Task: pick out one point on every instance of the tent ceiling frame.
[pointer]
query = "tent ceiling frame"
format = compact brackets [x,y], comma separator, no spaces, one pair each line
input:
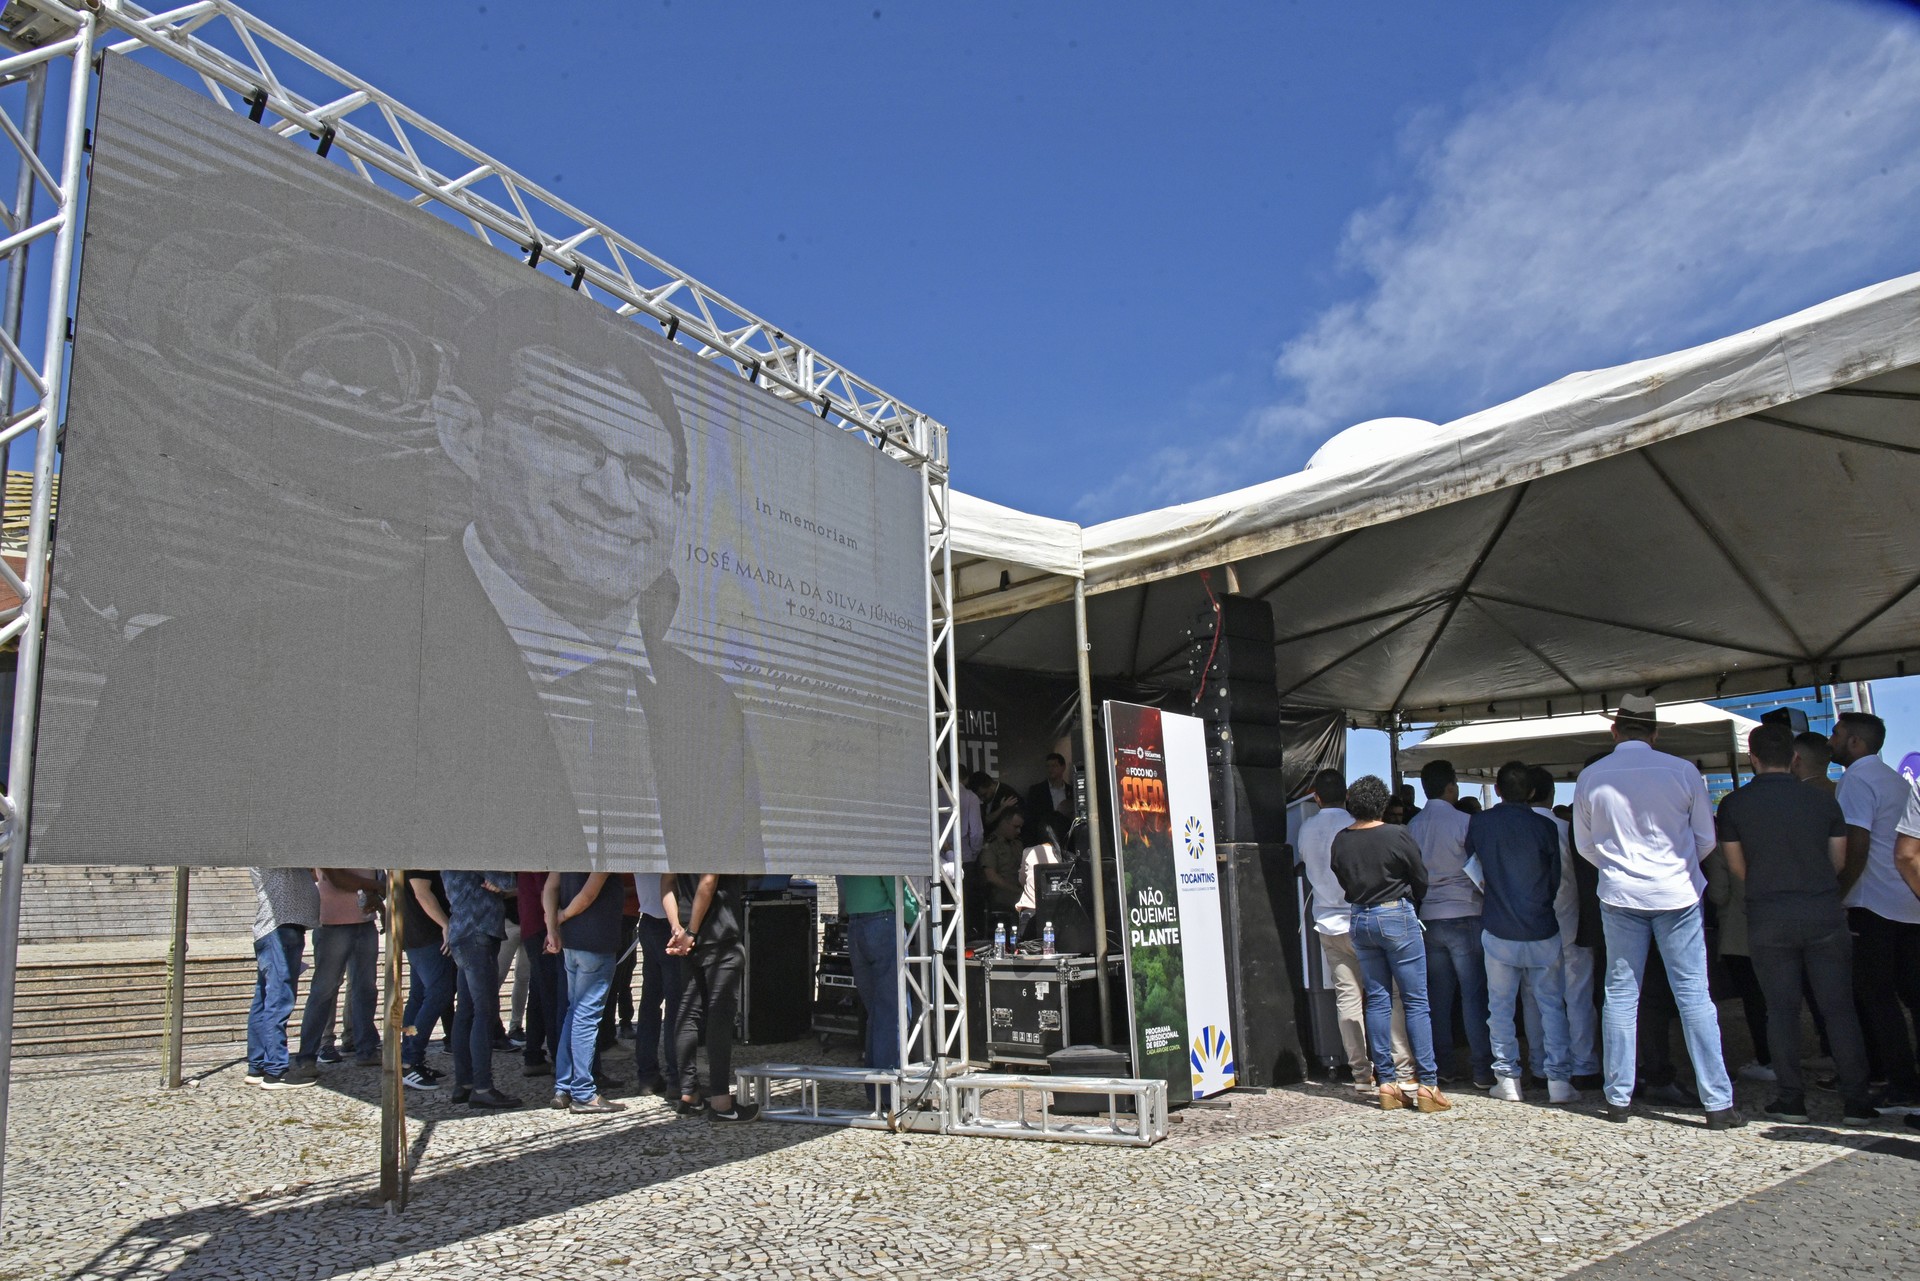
[1460,593]
[1725,547]
[1479,605]
[372,132]
[1892,446]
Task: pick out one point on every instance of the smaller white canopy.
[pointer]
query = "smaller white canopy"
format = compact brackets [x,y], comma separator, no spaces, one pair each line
[1700,732]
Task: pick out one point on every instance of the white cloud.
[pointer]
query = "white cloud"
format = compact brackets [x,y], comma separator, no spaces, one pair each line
[1660,175]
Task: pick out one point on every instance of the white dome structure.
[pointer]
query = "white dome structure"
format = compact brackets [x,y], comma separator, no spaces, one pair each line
[1367,442]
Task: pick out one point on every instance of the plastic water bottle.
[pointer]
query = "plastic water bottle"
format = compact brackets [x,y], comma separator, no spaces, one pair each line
[1000,940]
[1046,940]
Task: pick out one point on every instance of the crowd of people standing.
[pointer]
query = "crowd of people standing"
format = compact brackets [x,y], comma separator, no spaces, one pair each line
[572,937]
[1592,928]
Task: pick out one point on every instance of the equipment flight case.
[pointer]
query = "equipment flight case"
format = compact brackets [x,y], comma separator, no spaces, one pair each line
[1038,1004]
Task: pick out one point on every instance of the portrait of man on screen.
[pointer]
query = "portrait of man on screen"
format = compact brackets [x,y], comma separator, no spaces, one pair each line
[507,696]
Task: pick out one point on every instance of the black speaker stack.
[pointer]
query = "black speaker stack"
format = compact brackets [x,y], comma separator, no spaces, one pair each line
[1230,666]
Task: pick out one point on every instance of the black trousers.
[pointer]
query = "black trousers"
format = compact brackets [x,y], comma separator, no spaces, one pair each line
[1886,975]
[1818,955]
[546,1002]
[620,994]
[1740,979]
[708,1000]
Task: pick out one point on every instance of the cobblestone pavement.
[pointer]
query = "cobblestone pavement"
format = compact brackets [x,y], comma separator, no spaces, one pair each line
[110,1176]
[1854,1218]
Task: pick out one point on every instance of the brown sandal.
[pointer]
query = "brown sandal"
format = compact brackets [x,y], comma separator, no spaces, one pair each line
[1431,1100]
[1392,1097]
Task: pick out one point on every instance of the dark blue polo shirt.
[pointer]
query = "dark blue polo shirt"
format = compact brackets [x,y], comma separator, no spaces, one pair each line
[1519,853]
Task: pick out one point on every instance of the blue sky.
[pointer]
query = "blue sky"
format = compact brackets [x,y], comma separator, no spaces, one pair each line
[1134,253]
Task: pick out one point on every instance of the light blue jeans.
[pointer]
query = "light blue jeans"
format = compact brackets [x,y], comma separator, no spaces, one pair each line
[277,973]
[1583,1017]
[1536,966]
[589,976]
[1681,937]
[1388,943]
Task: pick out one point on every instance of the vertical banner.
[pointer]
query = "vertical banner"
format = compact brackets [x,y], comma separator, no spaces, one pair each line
[1175,957]
[1197,878]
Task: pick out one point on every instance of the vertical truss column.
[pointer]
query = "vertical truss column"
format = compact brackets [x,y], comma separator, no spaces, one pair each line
[933,980]
[44,380]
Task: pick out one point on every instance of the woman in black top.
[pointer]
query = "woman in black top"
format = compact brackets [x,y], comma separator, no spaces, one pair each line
[1384,878]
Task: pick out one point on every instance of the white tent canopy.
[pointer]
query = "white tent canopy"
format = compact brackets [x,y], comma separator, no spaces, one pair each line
[1740,516]
[1710,737]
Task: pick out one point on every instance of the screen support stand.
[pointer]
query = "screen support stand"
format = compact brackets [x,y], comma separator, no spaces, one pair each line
[1083,659]
[177,981]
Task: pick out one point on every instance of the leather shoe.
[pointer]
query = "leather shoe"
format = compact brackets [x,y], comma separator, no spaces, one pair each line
[1617,1113]
[1726,1119]
[598,1103]
[491,1099]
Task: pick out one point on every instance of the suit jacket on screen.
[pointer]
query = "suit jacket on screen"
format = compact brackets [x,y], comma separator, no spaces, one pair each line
[393,724]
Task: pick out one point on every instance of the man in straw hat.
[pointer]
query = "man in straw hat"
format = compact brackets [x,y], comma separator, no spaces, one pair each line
[1641,816]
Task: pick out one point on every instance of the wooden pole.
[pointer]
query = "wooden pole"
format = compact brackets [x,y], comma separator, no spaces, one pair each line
[176,1033]
[393,1111]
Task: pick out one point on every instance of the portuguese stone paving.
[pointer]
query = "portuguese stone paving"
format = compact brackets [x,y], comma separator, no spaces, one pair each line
[111,1176]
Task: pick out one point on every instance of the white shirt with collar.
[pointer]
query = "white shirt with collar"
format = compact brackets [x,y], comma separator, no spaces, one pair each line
[1641,816]
[1873,795]
[552,646]
[627,824]
[1331,914]
[1440,830]
[973,835]
[1566,900]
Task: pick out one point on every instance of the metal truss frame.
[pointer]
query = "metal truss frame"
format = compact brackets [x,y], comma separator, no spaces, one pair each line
[48,50]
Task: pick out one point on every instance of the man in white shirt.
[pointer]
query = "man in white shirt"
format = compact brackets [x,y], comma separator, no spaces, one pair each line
[1882,911]
[1641,816]
[1456,960]
[1583,1017]
[1331,922]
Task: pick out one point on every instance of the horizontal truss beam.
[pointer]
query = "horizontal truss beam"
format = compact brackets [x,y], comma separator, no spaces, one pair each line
[375,132]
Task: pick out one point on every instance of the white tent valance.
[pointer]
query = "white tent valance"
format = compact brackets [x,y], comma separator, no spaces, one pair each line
[1711,737]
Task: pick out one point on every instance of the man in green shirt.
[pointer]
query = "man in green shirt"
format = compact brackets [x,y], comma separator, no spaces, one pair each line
[866,904]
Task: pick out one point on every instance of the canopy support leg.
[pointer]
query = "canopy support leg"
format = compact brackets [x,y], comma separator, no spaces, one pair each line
[177,981]
[1083,660]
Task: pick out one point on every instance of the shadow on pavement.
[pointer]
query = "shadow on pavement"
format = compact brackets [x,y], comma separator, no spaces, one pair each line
[331,1227]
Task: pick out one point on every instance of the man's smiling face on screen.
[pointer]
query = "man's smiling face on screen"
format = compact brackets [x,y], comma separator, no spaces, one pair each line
[575,494]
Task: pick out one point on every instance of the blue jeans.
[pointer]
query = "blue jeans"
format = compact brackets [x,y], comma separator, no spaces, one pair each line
[1537,966]
[1455,964]
[476,964]
[429,1000]
[660,984]
[589,976]
[276,959]
[342,951]
[876,975]
[1387,940]
[1681,937]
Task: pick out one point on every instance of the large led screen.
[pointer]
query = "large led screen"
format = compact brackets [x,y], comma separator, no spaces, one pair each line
[378,547]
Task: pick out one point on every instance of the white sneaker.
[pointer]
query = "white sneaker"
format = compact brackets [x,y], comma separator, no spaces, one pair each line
[1506,1089]
[1562,1092]
[1757,1072]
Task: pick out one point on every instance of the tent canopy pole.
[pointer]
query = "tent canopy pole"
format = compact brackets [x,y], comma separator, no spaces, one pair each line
[1083,660]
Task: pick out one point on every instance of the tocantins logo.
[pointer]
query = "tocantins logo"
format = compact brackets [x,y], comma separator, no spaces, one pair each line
[1212,1059]
[1195,835]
